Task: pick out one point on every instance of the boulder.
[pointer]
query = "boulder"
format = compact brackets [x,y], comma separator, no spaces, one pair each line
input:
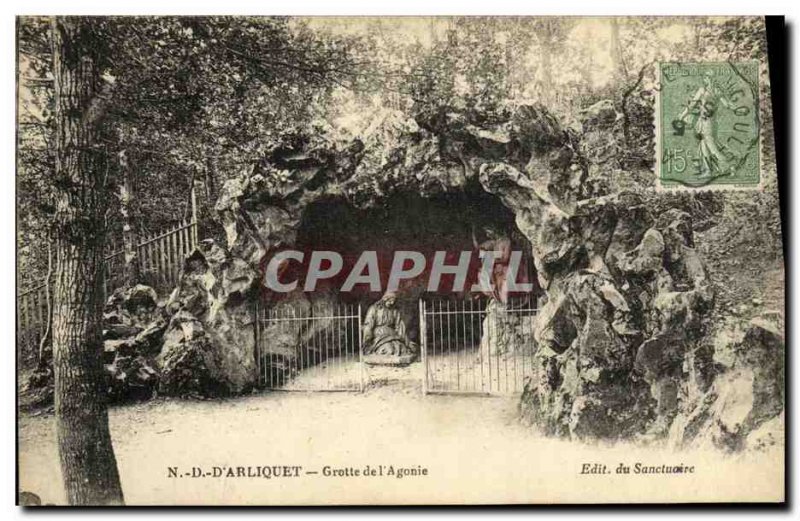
[131,377]
[129,310]
[120,347]
[555,328]
[139,299]
[646,259]
[603,356]
[602,114]
[763,350]
[115,331]
[634,219]
[599,143]
[616,411]
[550,392]
[216,289]
[626,319]
[148,340]
[133,326]
[253,222]
[583,384]
[536,129]
[190,364]
[557,250]
[743,406]
[768,435]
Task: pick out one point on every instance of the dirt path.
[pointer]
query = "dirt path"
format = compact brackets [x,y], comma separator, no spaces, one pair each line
[317,427]
[472,448]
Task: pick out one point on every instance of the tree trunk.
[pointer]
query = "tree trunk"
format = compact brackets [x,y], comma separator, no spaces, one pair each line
[546,80]
[617,58]
[88,465]
[211,182]
[48,290]
[129,242]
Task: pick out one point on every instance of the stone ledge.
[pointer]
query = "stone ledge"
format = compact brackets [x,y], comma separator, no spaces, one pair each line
[397,360]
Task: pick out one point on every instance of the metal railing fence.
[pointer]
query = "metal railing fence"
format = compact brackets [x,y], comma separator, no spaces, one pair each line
[160,256]
[316,348]
[474,346]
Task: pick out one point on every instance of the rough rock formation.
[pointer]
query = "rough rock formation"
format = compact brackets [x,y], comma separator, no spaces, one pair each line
[609,335]
[529,161]
[209,344]
[742,406]
[625,288]
[133,325]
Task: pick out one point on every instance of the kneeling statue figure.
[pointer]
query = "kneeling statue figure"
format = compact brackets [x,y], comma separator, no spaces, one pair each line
[384,334]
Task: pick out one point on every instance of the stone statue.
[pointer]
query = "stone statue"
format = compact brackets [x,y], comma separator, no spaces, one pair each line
[503,331]
[500,244]
[384,334]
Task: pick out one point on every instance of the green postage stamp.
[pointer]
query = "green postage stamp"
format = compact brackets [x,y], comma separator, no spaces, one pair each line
[708,130]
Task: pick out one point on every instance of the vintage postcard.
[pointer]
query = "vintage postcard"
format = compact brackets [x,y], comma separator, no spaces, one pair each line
[398,261]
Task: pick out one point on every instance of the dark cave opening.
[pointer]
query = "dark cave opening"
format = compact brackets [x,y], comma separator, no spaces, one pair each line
[311,338]
[452,222]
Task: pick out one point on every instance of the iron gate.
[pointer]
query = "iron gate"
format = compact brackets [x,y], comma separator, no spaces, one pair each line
[476,346]
[314,348]
[470,346]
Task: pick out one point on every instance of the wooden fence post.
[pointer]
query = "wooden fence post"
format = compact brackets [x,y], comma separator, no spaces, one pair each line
[159,257]
[194,214]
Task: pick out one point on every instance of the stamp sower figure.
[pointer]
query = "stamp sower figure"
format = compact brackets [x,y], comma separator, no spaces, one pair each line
[384,329]
[704,107]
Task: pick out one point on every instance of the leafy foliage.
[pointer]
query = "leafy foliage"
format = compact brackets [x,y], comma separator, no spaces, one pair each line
[186,95]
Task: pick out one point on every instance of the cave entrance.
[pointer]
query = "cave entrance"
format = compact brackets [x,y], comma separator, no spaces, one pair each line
[464,341]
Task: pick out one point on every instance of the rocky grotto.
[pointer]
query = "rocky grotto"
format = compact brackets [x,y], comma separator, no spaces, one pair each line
[622,350]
